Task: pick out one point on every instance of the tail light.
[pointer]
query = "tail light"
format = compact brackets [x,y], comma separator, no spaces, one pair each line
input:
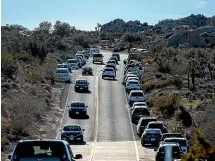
[158,153]
[144,133]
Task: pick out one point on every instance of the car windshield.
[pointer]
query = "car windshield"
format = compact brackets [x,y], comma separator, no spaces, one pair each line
[61,71]
[180,142]
[81,82]
[62,66]
[133,82]
[137,94]
[152,131]
[40,149]
[77,104]
[71,128]
[145,122]
[155,126]
[97,55]
[72,61]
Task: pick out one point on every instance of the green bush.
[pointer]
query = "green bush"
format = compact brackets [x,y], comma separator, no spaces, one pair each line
[8,65]
[24,56]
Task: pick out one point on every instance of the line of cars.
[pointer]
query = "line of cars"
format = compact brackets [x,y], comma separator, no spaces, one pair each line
[56,150]
[150,129]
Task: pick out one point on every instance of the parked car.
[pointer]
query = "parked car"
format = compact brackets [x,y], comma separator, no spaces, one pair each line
[160,151]
[108,72]
[62,75]
[73,63]
[138,112]
[151,136]
[136,96]
[157,125]
[171,135]
[142,124]
[34,150]
[132,85]
[81,84]
[87,70]
[77,108]
[117,55]
[183,143]
[72,132]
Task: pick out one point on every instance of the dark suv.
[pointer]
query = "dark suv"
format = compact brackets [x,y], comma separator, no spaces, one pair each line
[143,122]
[87,70]
[34,150]
[81,84]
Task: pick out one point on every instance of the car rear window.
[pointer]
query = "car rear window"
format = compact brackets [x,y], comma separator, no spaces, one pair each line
[81,82]
[61,71]
[155,126]
[97,55]
[71,128]
[133,82]
[72,61]
[152,131]
[108,69]
[40,149]
[137,94]
[77,104]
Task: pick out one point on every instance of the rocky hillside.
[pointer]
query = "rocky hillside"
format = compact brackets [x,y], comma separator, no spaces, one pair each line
[118,25]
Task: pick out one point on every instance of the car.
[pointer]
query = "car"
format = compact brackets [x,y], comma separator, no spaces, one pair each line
[64,66]
[72,132]
[171,135]
[117,55]
[73,64]
[114,58]
[87,70]
[151,136]
[80,62]
[132,78]
[160,151]
[111,66]
[183,143]
[132,85]
[62,74]
[81,84]
[138,112]
[34,150]
[97,57]
[139,104]
[157,125]
[143,122]
[108,72]
[77,108]
[126,77]
[112,62]
[135,72]
[136,96]
[129,66]
[129,69]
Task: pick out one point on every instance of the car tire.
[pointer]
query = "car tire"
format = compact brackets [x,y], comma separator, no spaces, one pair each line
[142,143]
[82,140]
[102,77]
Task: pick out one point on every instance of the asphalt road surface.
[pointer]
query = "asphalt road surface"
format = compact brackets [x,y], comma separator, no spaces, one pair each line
[109,133]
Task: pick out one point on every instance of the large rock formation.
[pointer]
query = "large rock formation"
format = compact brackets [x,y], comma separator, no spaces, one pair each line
[192,38]
[118,25]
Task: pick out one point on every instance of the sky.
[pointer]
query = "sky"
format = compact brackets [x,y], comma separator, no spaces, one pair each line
[85,14]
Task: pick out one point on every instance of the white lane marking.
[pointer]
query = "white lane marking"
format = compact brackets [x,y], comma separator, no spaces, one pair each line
[133,136]
[64,112]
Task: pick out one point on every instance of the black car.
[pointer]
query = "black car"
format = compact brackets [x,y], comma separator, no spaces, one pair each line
[138,112]
[117,55]
[87,70]
[143,122]
[81,84]
[72,132]
[160,151]
[151,136]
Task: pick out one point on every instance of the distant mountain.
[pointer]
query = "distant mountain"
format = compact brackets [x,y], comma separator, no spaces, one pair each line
[192,22]
[118,25]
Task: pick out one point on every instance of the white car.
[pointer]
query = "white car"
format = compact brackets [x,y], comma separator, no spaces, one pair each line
[136,96]
[132,85]
[183,143]
[73,63]
[108,72]
[62,74]
[126,77]
[139,104]
[132,78]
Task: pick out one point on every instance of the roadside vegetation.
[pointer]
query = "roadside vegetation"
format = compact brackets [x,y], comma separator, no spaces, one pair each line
[28,62]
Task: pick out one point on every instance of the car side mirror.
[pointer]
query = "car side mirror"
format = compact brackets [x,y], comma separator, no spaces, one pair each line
[155,149]
[83,129]
[9,156]
[67,106]
[86,106]
[78,156]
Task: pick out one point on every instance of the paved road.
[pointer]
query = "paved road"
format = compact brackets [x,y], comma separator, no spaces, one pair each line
[109,134]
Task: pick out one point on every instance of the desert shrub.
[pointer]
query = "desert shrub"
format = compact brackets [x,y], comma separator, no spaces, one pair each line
[8,65]
[24,56]
[166,103]
[201,148]
[185,117]
[33,75]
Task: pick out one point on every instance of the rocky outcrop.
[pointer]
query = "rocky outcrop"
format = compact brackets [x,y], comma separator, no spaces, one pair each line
[211,21]
[193,21]
[192,38]
[118,25]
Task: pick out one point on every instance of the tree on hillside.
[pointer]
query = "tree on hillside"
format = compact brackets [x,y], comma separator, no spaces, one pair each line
[44,27]
[62,29]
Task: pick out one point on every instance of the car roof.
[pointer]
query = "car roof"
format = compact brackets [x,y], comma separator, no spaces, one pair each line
[145,107]
[153,129]
[72,59]
[61,69]
[175,138]
[134,91]
[133,80]
[171,133]
[72,125]
[169,143]
[81,79]
[77,102]
[149,117]
[108,68]
[135,103]
[156,122]
[43,140]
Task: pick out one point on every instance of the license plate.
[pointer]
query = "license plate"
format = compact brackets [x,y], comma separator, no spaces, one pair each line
[77,112]
[153,139]
[81,88]
[71,137]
